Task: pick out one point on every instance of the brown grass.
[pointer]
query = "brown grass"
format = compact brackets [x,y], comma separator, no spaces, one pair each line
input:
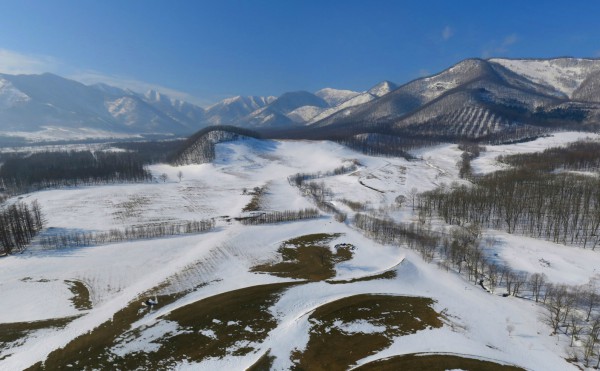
[434,362]
[330,348]
[264,363]
[387,275]
[255,201]
[81,295]
[247,307]
[307,257]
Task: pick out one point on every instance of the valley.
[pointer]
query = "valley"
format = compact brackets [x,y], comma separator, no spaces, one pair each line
[326,292]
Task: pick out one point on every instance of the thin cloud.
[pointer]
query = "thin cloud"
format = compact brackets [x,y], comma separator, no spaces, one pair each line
[509,40]
[447,33]
[90,77]
[15,63]
[494,48]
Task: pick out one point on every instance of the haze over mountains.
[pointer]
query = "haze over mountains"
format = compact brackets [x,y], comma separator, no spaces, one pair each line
[471,99]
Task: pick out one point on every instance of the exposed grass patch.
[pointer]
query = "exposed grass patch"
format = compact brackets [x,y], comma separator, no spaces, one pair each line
[387,275]
[235,320]
[12,332]
[434,362]
[264,363]
[349,329]
[307,257]
[225,324]
[92,350]
[81,295]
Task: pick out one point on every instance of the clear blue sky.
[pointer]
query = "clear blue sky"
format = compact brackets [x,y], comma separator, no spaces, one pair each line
[214,49]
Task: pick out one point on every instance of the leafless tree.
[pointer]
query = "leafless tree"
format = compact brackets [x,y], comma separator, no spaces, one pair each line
[536,282]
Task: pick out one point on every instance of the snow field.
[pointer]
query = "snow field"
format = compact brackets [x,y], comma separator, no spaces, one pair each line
[219,261]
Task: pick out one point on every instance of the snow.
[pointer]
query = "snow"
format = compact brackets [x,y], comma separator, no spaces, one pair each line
[56,133]
[360,326]
[220,260]
[382,88]
[31,295]
[335,97]
[144,343]
[355,101]
[304,113]
[10,96]
[560,263]
[563,74]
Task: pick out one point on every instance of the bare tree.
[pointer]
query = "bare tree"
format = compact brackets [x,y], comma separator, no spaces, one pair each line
[164,177]
[536,282]
[180,175]
[590,298]
[575,325]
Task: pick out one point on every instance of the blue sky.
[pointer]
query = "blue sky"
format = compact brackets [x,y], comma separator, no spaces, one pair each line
[204,51]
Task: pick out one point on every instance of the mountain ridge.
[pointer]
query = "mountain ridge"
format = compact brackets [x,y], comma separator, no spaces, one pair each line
[472,98]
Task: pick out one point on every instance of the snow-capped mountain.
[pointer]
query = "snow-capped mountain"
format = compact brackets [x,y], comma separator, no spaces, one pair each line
[231,110]
[44,103]
[476,98]
[335,97]
[275,114]
[382,88]
[473,98]
[31,103]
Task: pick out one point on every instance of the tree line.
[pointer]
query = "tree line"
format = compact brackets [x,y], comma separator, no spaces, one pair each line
[318,193]
[55,169]
[470,152]
[280,216]
[80,239]
[19,224]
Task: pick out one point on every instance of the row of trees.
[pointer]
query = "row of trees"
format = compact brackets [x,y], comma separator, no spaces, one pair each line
[52,169]
[470,152]
[280,216]
[80,239]
[19,223]
[562,208]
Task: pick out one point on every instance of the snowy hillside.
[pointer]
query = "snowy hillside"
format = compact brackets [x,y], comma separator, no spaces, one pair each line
[563,74]
[335,97]
[276,295]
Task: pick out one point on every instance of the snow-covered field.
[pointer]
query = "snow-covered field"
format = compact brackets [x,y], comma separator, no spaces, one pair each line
[478,324]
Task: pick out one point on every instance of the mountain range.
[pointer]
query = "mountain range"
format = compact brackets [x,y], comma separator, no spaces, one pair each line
[474,98]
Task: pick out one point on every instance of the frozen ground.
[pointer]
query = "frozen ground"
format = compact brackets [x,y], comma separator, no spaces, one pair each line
[219,261]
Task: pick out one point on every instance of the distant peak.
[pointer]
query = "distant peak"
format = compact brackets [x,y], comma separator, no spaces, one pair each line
[382,88]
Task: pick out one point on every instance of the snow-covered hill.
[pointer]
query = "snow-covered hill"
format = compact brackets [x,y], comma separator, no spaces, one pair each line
[46,288]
